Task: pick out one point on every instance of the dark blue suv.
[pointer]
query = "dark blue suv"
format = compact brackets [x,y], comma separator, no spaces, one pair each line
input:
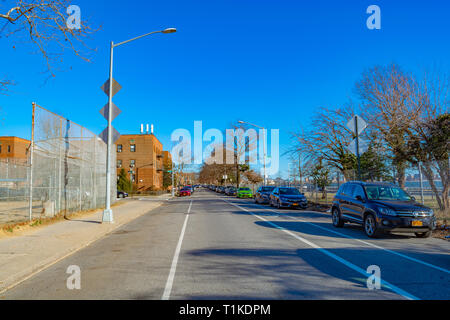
[286,197]
[381,207]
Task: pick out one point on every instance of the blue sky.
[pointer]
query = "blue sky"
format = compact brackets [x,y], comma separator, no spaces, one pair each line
[268,62]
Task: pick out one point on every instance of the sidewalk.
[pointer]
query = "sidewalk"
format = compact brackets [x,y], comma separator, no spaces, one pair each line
[24,255]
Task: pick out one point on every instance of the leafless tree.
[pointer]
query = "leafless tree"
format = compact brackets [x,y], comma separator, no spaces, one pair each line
[385,93]
[431,102]
[327,139]
[241,140]
[43,22]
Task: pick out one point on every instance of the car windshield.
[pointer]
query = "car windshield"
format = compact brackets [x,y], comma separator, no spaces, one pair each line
[290,191]
[267,189]
[387,193]
[244,189]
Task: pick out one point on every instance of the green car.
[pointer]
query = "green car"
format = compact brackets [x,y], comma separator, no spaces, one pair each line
[244,193]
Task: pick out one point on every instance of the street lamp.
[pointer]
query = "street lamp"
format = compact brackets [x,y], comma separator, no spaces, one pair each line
[108,214]
[264,144]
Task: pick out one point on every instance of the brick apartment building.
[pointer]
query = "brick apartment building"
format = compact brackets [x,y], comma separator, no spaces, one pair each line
[141,155]
[14,148]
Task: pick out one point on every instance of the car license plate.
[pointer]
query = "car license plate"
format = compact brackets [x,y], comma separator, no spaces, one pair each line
[417,223]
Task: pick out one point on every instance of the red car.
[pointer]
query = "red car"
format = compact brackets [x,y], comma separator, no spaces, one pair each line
[185,192]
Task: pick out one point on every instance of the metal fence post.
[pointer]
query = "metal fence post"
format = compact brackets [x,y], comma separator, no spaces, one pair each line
[60,141]
[421,183]
[30,209]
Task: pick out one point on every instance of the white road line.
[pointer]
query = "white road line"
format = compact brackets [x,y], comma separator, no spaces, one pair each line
[332,255]
[369,244]
[362,241]
[173,268]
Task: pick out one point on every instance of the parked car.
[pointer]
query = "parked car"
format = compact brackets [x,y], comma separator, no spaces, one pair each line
[287,197]
[122,194]
[262,195]
[230,191]
[192,188]
[186,191]
[381,207]
[244,193]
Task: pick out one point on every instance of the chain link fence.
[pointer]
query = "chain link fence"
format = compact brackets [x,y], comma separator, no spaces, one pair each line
[68,172]
[14,190]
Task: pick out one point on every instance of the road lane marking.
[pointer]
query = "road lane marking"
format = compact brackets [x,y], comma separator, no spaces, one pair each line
[331,255]
[173,268]
[352,238]
[371,244]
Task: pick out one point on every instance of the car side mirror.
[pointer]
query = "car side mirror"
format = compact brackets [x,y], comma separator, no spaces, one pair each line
[359,198]
[413,198]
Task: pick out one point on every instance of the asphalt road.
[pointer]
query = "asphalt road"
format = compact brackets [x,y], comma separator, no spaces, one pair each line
[210,246]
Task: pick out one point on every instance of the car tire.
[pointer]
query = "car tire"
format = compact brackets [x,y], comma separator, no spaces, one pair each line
[121,195]
[423,234]
[370,226]
[337,219]
[278,204]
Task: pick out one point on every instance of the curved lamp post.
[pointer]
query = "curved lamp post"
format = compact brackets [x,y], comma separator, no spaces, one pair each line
[108,214]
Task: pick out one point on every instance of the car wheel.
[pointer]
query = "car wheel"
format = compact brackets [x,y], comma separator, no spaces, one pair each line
[120,195]
[278,204]
[336,217]
[370,226]
[423,234]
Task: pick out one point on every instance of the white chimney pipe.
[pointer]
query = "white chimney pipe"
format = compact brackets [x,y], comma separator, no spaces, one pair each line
[146,129]
[142,128]
[152,128]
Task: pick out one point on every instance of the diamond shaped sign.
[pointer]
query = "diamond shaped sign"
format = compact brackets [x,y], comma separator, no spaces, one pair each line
[115,111]
[361,124]
[363,146]
[115,135]
[116,87]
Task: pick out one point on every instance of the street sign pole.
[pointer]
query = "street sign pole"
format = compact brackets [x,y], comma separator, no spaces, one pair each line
[357,148]
[108,214]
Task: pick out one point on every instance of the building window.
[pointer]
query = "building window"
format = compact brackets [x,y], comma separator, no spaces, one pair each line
[9,149]
[133,148]
[0,149]
[119,163]
[119,148]
[132,163]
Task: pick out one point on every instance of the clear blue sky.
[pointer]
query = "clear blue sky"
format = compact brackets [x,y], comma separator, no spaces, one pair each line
[269,62]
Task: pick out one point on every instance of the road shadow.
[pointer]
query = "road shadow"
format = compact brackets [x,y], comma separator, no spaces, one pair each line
[296,274]
[317,229]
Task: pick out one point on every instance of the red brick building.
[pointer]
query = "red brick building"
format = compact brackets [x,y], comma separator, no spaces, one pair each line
[14,148]
[141,155]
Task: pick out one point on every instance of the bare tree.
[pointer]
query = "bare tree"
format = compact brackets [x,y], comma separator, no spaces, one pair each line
[241,140]
[328,139]
[429,136]
[43,22]
[385,93]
